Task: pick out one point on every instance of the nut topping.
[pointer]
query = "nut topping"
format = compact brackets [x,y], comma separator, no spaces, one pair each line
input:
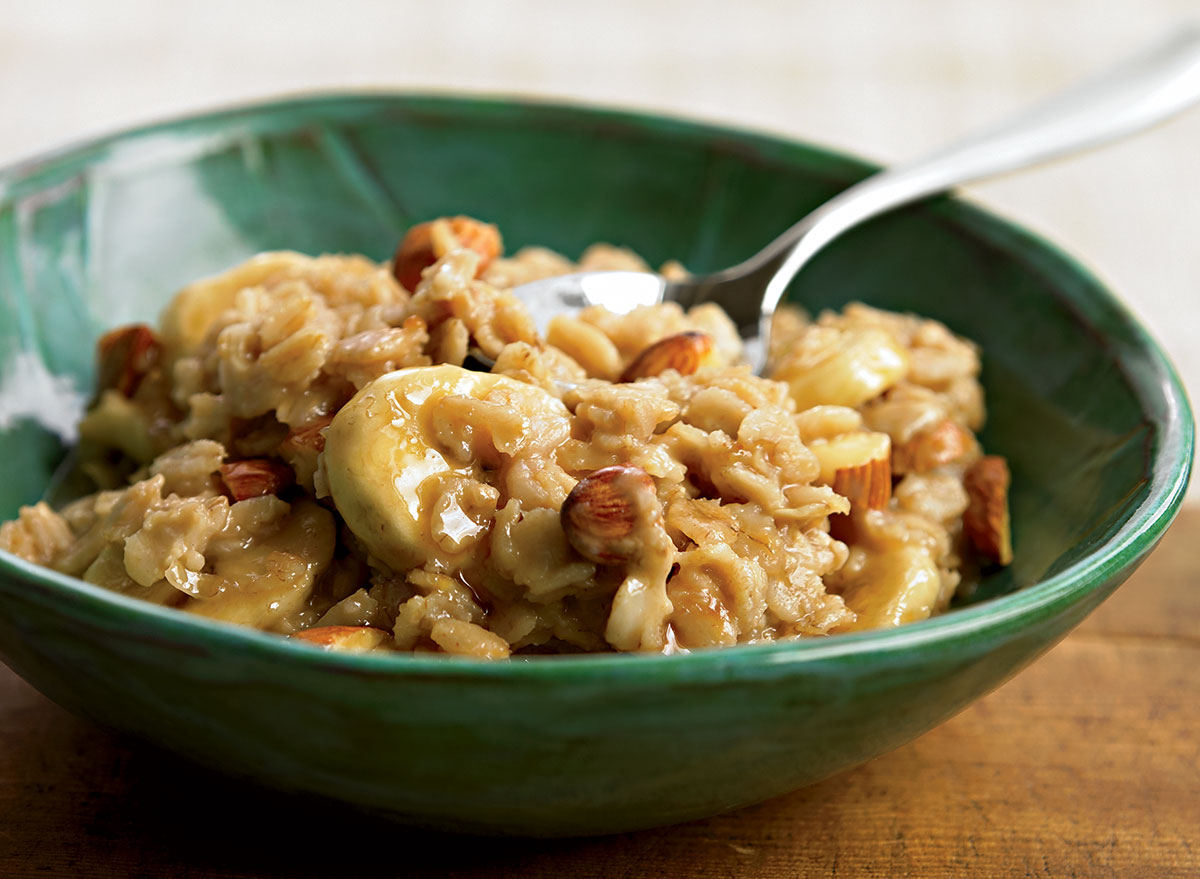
[125,356]
[426,243]
[986,520]
[307,437]
[684,352]
[858,467]
[942,444]
[866,485]
[607,511]
[349,638]
[255,477]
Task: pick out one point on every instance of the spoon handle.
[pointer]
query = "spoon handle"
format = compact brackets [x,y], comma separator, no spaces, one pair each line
[1144,90]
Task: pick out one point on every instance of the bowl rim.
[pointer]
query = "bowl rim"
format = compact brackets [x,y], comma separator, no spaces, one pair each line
[1149,373]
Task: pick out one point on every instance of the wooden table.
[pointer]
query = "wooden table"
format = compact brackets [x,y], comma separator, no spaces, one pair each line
[1086,764]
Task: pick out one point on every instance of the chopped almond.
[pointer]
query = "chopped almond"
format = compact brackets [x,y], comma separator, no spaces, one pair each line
[858,467]
[255,477]
[986,520]
[865,485]
[349,638]
[302,447]
[309,437]
[125,356]
[944,443]
[426,243]
[684,352]
[602,514]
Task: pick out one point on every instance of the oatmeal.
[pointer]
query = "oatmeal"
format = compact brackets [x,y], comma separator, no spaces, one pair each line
[311,446]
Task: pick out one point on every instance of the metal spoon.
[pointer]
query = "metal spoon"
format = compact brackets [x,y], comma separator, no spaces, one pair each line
[1145,90]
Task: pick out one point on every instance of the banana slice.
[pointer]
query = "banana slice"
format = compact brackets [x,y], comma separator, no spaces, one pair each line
[848,368]
[895,587]
[382,446]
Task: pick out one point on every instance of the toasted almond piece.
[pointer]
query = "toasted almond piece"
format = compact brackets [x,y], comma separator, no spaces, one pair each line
[866,485]
[309,437]
[424,244]
[986,520]
[942,444]
[684,352]
[255,477]
[353,639]
[858,467]
[125,355]
[606,512]
[302,447]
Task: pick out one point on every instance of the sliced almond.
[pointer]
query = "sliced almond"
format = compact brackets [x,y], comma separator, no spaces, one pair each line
[353,639]
[426,243]
[607,511]
[255,477]
[942,444]
[986,521]
[684,352]
[858,467]
[125,356]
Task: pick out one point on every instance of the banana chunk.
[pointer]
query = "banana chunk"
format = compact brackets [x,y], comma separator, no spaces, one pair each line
[898,586]
[843,367]
[394,453]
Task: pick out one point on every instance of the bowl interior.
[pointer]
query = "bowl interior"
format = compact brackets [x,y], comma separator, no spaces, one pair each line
[1079,399]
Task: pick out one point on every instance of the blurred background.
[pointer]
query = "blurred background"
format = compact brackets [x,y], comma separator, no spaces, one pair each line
[885,79]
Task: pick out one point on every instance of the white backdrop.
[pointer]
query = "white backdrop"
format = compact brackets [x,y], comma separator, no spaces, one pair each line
[883,79]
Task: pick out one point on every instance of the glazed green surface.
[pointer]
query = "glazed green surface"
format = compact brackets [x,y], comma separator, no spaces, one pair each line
[1092,418]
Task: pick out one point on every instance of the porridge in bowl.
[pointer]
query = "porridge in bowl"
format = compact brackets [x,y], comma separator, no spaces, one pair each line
[315,447]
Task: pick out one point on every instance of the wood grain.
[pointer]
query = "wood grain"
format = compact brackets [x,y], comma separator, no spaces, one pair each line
[1087,764]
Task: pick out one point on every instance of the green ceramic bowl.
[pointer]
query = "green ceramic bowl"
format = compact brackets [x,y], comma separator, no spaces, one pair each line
[1092,417]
